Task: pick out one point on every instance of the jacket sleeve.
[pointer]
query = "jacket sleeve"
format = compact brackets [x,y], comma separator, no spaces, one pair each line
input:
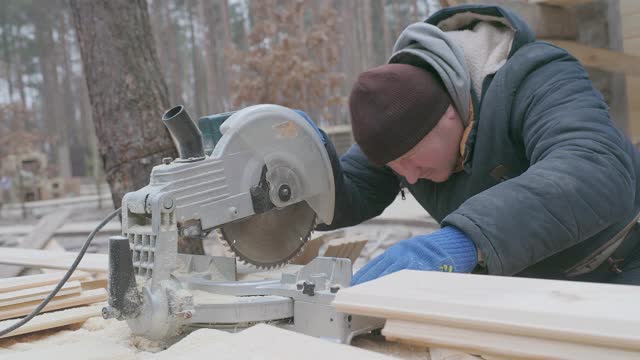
[362,189]
[580,181]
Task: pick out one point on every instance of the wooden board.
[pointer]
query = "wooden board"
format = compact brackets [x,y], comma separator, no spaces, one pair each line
[312,247]
[347,248]
[602,59]
[37,293]
[590,313]
[261,342]
[26,282]
[629,7]
[94,284]
[448,354]
[630,26]
[75,228]
[496,344]
[53,259]
[67,301]
[563,3]
[53,320]
[632,46]
[38,237]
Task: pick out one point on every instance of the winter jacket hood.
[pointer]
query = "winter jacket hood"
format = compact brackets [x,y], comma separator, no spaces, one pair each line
[463,45]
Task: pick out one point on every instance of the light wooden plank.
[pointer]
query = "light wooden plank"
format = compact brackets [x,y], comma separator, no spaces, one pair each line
[67,301]
[348,248]
[629,7]
[53,320]
[597,314]
[53,259]
[631,46]
[52,245]
[633,97]
[448,354]
[496,344]
[633,89]
[94,284]
[75,228]
[38,237]
[630,25]
[44,229]
[25,282]
[602,59]
[563,3]
[38,293]
[312,247]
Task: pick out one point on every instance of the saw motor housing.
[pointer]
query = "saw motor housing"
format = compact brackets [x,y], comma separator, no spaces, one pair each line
[188,197]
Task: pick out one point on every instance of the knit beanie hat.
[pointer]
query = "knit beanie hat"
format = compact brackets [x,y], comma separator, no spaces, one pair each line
[393,107]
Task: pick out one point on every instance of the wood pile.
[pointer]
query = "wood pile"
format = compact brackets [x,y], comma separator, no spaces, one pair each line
[47,259]
[20,295]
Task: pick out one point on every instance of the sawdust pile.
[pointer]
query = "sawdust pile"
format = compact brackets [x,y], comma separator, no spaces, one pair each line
[99,339]
[261,342]
[96,339]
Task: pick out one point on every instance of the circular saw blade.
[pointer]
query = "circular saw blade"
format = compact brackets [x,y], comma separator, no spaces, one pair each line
[271,238]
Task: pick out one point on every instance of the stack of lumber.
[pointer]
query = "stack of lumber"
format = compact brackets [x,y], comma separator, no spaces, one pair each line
[502,316]
[96,263]
[20,295]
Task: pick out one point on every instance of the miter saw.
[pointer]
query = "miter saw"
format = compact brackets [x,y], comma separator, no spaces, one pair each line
[262,187]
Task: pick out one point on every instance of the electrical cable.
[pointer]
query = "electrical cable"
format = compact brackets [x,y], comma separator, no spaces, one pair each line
[64,279]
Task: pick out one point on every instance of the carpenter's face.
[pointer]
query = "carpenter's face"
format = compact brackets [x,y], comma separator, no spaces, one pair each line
[435,157]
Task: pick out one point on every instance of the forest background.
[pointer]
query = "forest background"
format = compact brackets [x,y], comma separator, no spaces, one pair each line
[214,55]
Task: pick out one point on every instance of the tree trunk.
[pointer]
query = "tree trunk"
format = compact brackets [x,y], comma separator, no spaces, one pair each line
[127,92]
[415,14]
[199,94]
[52,97]
[368,38]
[72,130]
[176,77]
[225,66]
[349,54]
[214,17]
[381,49]
[7,49]
[21,85]
[398,20]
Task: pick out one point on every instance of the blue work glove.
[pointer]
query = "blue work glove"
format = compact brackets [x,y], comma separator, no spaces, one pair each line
[447,249]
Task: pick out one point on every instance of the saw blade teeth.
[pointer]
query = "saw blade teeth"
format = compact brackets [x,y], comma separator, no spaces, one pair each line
[230,245]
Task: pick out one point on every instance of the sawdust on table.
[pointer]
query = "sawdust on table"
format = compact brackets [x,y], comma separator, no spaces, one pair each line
[96,339]
[99,339]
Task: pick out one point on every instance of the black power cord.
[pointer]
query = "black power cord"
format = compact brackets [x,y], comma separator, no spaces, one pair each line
[64,278]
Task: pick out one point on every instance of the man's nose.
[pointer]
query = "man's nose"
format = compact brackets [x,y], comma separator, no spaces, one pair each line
[412,175]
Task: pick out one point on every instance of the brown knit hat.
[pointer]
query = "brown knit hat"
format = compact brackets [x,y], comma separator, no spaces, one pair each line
[393,107]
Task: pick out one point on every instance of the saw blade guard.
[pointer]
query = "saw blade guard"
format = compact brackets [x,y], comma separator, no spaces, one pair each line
[298,166]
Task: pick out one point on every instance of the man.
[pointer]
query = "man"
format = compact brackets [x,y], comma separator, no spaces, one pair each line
[504,141]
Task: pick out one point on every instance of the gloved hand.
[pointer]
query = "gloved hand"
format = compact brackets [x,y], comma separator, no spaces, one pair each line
[447,249]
